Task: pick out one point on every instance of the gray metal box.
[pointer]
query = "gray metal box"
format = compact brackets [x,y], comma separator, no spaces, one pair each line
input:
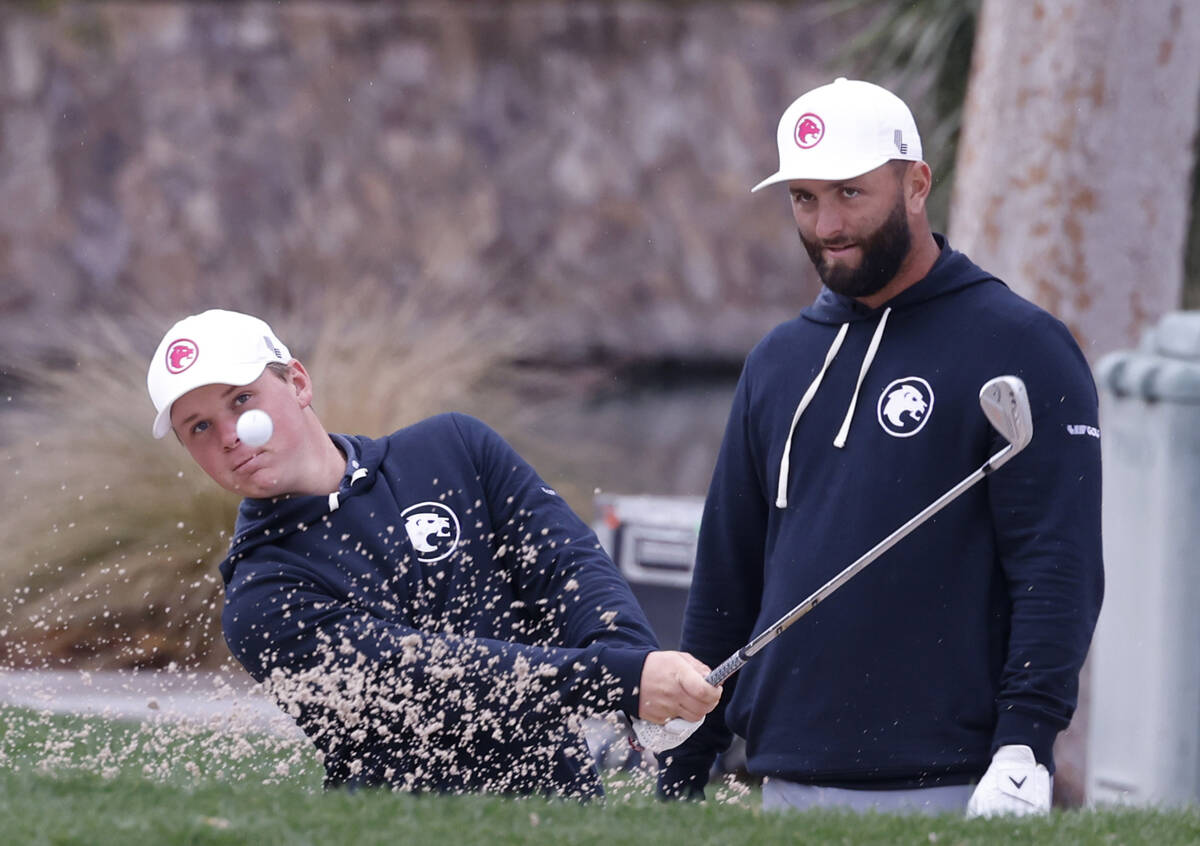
[652,539]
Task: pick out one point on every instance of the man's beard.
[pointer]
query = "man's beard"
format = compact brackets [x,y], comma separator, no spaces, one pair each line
[882,254]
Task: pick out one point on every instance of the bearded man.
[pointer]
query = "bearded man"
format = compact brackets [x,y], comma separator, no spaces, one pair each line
[939,679]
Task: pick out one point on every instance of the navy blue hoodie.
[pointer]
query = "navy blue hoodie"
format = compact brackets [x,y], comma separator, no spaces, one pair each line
[971,632]
[440,622]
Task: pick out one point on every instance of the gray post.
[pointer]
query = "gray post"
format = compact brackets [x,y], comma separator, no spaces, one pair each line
[1144,737]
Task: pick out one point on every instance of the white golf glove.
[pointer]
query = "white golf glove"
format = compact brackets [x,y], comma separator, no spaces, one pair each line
[1015,783]
[658,738]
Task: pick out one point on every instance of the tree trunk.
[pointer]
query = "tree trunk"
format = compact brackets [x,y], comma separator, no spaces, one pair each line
[1074,169]
[1074,182]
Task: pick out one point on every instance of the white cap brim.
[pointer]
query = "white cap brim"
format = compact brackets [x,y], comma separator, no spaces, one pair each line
[826,173]
[236,376]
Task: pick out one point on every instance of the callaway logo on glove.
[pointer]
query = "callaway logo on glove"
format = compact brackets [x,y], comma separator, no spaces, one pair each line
[1015,783]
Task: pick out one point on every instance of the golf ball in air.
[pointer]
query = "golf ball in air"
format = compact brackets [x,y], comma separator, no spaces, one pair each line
[254,428]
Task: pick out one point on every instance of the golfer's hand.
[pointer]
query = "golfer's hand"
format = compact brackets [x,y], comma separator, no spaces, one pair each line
[1015,783]
[673,685]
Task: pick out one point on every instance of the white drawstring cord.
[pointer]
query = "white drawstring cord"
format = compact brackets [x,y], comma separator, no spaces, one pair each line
[781,492]
[360,473]
[840,440]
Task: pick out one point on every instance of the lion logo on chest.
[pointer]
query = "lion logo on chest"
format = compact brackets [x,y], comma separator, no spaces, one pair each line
[433,530]
[905,406]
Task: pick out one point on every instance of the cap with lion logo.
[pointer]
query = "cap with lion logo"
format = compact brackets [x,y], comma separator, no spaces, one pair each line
[215,347]
[843,130]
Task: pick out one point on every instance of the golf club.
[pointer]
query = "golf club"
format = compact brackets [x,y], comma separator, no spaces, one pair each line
[1006,406]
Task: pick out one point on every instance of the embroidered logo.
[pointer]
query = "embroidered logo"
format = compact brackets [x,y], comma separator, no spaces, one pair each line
[1080,429]
[433,530]
[809,131]
[905,406]
[181,355]
[278,353]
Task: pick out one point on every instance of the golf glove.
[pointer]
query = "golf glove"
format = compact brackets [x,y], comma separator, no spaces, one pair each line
[658,738]
[1015,783]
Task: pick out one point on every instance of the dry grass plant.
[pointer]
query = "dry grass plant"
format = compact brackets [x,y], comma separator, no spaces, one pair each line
[111,539]
[376,370]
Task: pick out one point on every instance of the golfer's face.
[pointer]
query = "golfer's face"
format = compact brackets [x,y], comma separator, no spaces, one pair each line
[205,420]
[838,216]
[856,231]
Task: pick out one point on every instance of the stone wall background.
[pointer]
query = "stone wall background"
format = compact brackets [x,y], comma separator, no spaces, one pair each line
[581,167]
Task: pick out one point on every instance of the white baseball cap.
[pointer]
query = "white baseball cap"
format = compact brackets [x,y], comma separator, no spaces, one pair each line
[842,130]
[215,347]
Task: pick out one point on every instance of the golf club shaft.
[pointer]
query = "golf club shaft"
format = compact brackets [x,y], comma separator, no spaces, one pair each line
[738,660]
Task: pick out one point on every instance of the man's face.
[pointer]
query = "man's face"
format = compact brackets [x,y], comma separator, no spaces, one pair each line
[205,420]
[856,231]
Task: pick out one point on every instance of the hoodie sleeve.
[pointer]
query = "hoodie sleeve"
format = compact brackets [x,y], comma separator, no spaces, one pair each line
[1046,509]
[726,590]
[560,564]
[289,630]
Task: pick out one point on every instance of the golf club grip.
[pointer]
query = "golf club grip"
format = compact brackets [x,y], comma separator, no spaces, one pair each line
[730,666]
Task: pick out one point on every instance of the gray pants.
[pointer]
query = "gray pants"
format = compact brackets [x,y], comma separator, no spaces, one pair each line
[780,795]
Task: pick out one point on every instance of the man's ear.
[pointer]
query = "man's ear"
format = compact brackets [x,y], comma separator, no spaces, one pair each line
[301,383]
[918,182]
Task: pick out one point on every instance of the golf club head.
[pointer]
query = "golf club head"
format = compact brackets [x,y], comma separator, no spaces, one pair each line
[1006,405]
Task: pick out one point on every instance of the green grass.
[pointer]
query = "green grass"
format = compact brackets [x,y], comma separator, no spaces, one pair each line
[67,780]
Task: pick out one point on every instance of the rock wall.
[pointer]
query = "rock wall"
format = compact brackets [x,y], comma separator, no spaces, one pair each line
[581,166]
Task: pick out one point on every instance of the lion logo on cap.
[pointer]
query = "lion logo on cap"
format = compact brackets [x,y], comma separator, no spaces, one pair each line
[904,406]
[810,129]
[181,355]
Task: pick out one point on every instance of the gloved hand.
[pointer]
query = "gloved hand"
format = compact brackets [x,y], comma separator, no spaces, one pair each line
[658,738]
[1015,783]
[673,698]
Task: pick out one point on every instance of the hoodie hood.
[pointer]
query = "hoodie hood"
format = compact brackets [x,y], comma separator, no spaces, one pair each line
[951,272]
[263,521]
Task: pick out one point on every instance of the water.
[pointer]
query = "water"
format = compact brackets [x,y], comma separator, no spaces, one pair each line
[643,439]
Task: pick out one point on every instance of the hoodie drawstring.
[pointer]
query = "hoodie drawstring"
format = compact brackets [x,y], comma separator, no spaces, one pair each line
[334,500]
[840,440]
[781,493]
